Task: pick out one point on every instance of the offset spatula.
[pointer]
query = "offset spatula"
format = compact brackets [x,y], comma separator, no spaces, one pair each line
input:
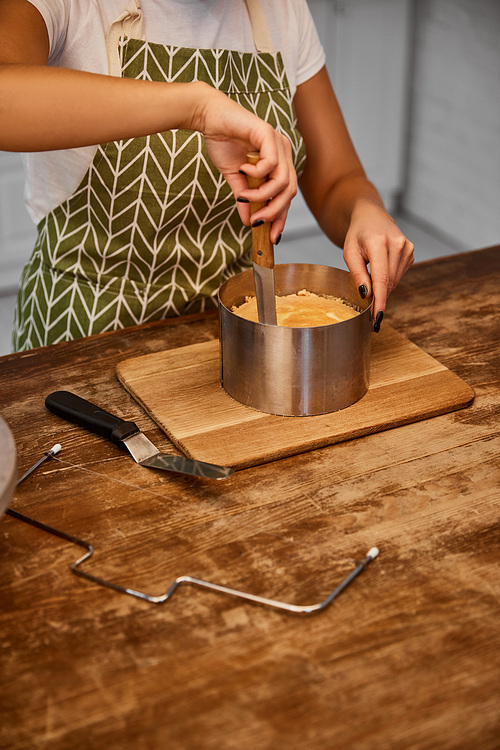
[82,412]
[262,258]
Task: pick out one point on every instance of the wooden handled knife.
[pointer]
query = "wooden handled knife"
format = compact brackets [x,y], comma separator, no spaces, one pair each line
[262,258]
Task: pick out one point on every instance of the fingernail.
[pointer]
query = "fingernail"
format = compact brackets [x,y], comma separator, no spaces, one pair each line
[278,238]
[363,291]
[378,320]
[258,223]
[242,200]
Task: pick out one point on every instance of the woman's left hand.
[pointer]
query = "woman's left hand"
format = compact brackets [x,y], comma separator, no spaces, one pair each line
[373,238]
[345,203]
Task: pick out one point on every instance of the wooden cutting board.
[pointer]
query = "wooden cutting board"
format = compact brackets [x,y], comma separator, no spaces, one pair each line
[180,390]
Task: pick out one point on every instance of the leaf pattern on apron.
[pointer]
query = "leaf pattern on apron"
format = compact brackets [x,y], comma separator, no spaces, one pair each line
[153,229]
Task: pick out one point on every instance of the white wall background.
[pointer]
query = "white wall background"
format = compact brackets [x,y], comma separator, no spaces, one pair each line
[453,152]
[17,232]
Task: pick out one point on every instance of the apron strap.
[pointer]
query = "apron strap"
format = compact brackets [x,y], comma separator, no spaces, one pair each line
[130,22]
[260,28]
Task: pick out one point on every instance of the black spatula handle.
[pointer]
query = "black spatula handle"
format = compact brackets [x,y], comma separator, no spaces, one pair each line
[75,409]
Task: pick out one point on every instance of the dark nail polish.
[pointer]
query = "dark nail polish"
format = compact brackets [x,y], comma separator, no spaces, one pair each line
[378,320]
[258,223]
[363,291]
[278,239]
[242,200]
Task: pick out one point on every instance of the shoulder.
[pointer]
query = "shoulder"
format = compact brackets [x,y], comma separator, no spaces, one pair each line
[289,15]
[70,20]
[295,35]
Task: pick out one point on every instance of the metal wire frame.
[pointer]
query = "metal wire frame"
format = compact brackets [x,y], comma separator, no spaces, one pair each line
[307,609]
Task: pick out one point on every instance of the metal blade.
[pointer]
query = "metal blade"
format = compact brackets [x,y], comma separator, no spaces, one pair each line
[185,465]
[140,447]
[265,293]
[146,454]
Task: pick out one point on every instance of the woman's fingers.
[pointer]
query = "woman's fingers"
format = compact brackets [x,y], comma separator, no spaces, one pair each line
[357,265]
[280,179]
[276,192]
[231,131]
[389,256]
[275,212]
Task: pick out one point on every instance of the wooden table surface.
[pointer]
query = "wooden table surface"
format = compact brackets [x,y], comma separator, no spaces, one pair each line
[407,657]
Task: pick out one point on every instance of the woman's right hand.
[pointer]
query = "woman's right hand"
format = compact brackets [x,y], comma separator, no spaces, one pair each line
[54,108]
[230,132]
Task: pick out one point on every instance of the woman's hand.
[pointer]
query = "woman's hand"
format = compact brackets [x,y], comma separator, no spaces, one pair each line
[87,108]
[373,238]
[345,203]
[230,132]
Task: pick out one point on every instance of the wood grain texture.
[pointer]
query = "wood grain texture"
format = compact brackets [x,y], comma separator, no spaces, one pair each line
[8,468]
[407,657]
[180,390]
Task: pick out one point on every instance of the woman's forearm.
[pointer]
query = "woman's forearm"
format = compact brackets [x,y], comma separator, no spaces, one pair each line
[346,205]
[43,108]
[349,196]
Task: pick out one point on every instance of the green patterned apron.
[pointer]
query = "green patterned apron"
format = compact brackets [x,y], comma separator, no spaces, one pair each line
[152,230]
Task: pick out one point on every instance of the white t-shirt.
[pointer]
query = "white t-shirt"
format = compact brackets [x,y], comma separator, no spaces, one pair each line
[77,30]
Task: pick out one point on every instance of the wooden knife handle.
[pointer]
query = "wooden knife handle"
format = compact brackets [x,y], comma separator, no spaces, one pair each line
[262,247]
